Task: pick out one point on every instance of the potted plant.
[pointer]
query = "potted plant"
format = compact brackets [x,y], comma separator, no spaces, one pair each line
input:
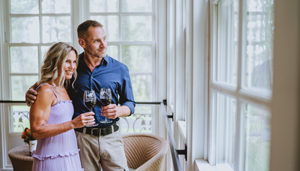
[26,135]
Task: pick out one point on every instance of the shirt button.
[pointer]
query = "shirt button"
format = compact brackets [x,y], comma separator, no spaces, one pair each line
[91,76]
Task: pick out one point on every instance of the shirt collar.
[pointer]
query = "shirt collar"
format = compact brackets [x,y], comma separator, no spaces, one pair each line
[105,60]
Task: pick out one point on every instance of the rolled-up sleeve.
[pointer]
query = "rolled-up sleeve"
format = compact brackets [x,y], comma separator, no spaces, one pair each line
[126,94]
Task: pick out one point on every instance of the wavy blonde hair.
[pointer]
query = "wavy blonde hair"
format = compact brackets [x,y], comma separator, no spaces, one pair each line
[54,63]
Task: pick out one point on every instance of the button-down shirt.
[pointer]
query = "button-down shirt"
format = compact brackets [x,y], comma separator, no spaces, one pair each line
[109,74]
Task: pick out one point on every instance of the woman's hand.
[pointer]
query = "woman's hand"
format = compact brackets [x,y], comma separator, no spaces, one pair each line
[83,120]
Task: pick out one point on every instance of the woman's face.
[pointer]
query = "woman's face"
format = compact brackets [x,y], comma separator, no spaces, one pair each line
[70,65]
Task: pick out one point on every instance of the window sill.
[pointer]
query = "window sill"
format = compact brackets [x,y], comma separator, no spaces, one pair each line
[202,165]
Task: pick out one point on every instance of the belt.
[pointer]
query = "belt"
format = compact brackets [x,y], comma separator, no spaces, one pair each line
[98,131]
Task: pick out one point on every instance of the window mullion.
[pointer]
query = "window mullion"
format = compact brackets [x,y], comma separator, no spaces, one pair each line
[240,119]
[120,23]
[41,39]
[40,22]
[239,138]
[240,45]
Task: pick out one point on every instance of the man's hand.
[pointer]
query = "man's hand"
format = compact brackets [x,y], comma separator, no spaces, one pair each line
[31,94]
[112,111]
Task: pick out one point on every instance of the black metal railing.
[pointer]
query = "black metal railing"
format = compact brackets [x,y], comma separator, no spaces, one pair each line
[16,101]
[11,101]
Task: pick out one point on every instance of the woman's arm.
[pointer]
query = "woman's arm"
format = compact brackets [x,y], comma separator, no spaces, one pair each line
[40,111]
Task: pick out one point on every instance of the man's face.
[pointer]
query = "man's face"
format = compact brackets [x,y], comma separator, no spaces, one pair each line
[96,44]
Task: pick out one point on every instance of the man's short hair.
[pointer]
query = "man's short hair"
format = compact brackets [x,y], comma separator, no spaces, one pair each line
[82,29]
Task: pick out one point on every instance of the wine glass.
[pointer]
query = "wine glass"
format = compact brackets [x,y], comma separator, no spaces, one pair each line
[89,101]
[105,99]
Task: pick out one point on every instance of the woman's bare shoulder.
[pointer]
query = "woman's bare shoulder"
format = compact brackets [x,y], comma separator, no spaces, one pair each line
[45,93]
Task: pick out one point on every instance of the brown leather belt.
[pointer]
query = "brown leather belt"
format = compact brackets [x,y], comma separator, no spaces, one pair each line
[98,131]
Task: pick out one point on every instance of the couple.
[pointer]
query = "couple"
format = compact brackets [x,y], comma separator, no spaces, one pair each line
[52,110]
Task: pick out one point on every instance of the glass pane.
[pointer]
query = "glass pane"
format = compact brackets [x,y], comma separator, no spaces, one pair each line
[24,6]
[44,51]
[257,138]
[56,6]
[143,109]
[113,51]
[142,87]
[258,63]
[25,29]
[104,5]
[137,58]
[111,26]
[20,116]
[20,84]
[225,58]
[137,28]
[136,6]
[224,129]
[24,59]
[56,29]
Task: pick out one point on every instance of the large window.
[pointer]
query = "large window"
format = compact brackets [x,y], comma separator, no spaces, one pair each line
[241,84]
[32,26]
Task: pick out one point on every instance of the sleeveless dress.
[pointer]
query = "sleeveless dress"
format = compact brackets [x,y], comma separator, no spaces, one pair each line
[60,152]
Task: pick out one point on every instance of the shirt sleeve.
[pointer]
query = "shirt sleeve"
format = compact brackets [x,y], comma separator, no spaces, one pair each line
[126,94]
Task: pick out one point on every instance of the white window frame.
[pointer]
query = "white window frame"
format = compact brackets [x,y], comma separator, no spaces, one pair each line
[241,95]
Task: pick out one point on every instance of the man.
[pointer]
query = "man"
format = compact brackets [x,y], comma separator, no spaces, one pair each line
[100,147]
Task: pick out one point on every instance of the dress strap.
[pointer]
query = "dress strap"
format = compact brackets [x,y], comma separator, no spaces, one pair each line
[51,88]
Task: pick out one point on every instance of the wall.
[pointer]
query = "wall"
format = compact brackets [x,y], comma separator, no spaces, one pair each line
[286,97]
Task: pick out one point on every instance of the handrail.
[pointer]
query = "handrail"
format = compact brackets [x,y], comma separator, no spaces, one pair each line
[174,153]
[16,101]
[11,101]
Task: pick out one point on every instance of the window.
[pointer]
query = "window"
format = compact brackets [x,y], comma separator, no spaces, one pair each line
[241,84]
[35,25]
[32,26]
[130,32]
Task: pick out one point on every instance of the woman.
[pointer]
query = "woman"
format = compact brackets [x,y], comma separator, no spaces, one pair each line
[51,114]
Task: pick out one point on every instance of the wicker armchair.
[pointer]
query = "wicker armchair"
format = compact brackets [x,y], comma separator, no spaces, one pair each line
[145,152]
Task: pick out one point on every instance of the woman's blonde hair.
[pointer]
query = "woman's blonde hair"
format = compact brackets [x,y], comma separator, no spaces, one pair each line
[54,63]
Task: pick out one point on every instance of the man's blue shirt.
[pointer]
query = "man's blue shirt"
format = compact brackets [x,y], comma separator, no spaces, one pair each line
[109,74]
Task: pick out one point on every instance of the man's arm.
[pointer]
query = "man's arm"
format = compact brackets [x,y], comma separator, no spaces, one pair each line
[31,94]
[127,102]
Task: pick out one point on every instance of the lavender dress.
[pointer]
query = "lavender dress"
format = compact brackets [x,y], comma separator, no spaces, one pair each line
[59,152]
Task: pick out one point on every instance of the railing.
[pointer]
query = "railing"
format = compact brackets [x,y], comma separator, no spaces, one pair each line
[174,153]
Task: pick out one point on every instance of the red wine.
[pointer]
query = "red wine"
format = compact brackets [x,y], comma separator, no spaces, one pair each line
[105,102]
[90,104]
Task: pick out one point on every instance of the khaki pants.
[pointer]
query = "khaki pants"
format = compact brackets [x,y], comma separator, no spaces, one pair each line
[106,152]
